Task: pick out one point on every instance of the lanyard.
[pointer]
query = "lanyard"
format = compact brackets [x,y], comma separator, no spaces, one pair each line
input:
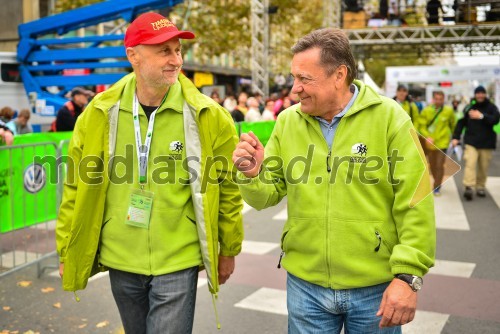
[143,149]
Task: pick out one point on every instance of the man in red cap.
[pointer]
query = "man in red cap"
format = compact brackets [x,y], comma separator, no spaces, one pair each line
[157,203]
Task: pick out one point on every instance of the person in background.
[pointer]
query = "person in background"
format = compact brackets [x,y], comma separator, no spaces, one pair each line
[6,114]
[20,126]
[405,102]
[253,113]
[6,135]
[480,139]
[268,113]
[71,110]
[260,100]
[216,97]
[436,124]
[354,250]
[230,102]
[241,109]
[433,8]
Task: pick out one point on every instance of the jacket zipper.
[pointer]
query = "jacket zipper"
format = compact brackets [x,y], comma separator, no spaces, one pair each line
[379,237]
[279,262]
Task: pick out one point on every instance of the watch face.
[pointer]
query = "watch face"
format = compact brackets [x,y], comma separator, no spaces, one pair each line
[417,283]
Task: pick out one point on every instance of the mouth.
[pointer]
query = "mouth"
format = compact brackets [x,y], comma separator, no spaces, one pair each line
[304,98]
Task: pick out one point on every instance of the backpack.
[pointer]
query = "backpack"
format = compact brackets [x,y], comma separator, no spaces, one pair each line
[71,108]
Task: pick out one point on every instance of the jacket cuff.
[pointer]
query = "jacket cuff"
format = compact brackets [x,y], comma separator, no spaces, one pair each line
[405,269]
[229,252]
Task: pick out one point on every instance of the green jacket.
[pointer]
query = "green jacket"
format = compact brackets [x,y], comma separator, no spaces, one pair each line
[411,109]
[440,128]
[357,214]
[210,136]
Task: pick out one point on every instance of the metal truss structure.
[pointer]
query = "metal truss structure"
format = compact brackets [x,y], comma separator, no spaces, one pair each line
[260,46]
[474,39]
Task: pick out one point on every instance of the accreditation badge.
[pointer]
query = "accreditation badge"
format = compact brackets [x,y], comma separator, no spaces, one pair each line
[139,210]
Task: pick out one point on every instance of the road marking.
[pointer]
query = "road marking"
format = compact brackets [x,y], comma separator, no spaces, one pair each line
[426,322]
[202,281]
[265,300]
[258,247]
[99,276]
[246,208]
[282,215]
[453,268]
[450,213]
[274,301]
[493,186]
[17,258]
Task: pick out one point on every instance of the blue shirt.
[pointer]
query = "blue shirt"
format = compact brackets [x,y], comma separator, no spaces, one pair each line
[329,129]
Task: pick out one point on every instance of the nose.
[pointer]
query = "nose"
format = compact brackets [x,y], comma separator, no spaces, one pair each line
[297,87]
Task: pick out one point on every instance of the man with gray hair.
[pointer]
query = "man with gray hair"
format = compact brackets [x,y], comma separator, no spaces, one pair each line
[360,232]
[157,209]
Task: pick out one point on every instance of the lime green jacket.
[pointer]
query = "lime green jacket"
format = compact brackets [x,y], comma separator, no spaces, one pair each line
[441,129]
[359,213]
[210,136]
[411,109]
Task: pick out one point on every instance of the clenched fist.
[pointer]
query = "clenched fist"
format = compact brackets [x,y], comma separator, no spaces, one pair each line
[249,155]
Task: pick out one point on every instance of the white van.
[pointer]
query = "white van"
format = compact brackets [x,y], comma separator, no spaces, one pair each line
[13,94]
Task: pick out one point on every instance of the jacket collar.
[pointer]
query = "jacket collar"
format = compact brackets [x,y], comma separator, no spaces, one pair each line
[366,98]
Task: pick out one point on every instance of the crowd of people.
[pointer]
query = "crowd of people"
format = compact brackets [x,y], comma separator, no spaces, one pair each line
[439,131]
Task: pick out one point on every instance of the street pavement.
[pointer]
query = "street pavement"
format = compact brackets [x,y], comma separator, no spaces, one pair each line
[460,295]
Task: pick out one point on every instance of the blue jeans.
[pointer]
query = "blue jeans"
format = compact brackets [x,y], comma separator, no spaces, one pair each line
[315,309]
[155,304]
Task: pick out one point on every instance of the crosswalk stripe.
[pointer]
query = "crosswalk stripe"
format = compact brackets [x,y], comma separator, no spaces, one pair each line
[274,301]
[265,300]
[453,268]
[282,215]
[426,322]
[246,208]
[450,213]
[258,247]
[493,186]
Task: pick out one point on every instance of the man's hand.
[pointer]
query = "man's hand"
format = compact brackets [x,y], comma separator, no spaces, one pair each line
[61,269]
[398,305]
[6,136]
[249,155]
[430,140]
[475,114]
[455,142]
[226,268]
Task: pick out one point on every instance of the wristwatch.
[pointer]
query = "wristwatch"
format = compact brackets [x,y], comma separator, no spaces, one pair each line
[413,281]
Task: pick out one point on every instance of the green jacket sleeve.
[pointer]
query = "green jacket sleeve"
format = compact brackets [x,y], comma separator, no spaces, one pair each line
[422,123]
[230,203]
[65,216]
[269,187]
[413,208]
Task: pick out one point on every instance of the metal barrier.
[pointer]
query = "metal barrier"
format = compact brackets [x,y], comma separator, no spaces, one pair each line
[30,193]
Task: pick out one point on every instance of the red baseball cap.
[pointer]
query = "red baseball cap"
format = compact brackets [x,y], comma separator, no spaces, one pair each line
[152,28]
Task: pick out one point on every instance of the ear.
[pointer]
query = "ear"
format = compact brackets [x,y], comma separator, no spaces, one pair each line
[340,76]
[132,55]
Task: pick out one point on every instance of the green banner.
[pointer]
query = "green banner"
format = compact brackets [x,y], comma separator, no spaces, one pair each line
[28,187]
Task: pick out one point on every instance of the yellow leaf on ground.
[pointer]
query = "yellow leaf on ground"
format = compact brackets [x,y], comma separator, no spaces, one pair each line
[57,305]
[14,332]
[24,284]
[6,308]
[102,324]
[31,332]
[48,289]
[82,326]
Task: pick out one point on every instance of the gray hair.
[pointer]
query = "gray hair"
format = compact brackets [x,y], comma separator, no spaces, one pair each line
[335,50]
